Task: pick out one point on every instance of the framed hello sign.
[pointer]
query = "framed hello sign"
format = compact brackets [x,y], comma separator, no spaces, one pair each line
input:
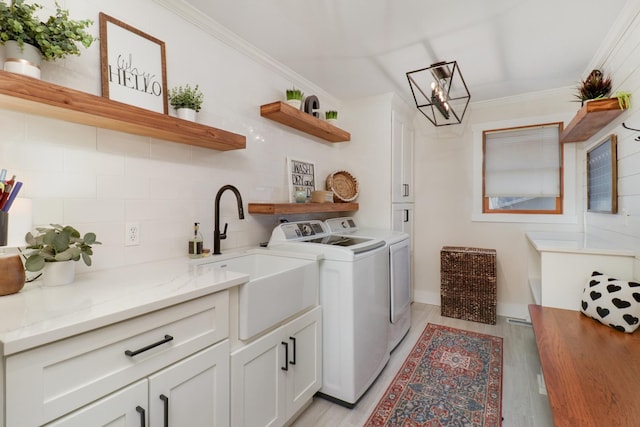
[133,66]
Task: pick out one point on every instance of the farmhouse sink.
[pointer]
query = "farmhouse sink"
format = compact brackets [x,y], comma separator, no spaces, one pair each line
[279,287]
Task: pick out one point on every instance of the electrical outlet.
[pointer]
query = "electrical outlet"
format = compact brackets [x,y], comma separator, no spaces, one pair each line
[131,234]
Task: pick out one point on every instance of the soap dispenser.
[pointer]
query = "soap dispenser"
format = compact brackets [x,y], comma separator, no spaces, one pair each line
[195,243]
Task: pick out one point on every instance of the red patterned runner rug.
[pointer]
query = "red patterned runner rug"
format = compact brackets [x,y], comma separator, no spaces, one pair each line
[451,378]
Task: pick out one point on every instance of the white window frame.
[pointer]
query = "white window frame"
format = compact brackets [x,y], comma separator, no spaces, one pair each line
[569,203]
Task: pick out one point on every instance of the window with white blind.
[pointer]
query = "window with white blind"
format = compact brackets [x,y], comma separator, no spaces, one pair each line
[522,170]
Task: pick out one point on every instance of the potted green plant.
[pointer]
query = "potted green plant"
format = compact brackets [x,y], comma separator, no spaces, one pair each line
[294,97]
[331,116]
[54,245]
[186,100]
[25,36]
[595,86]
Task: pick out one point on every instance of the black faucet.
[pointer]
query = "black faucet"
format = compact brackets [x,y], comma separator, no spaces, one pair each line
[217,236]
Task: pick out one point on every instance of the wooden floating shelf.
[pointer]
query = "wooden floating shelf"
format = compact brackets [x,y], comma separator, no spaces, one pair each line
[33,96]
[300,208]
[284,113]
[592,117]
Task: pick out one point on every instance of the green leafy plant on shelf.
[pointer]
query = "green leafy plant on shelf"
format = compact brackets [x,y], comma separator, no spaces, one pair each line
[294,93]
[186,97]
[56,37]
[624,99]
[331,114]
[57,244]
[595,86]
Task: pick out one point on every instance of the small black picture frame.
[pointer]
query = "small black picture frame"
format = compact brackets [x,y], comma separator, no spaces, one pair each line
[602,176]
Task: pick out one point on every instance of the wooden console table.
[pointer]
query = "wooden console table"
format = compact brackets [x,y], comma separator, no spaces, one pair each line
[591,371]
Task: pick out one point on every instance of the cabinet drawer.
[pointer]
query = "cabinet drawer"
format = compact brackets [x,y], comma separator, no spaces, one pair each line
[49,381]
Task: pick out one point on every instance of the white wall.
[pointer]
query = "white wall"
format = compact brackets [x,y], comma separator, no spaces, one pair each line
[445,179]
[97,180]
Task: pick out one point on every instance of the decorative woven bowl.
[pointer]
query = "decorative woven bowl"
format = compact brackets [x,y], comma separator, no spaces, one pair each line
[344,186]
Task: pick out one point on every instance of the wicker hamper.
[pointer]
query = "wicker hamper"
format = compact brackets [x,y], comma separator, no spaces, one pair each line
[468,284]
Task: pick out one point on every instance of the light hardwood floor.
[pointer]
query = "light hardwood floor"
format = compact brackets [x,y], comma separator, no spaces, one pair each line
[522,405]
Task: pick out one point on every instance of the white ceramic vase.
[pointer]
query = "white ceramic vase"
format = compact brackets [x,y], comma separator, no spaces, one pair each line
[58,273]
[295,103]
[332,121]
[24,61]
[186,114]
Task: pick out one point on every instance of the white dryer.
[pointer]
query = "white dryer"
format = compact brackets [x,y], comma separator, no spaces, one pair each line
[399,279]
[355,305]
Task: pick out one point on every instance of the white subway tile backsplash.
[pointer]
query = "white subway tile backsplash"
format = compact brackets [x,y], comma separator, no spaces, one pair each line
[58,132]
[93,210]
[122,187]
[125,144]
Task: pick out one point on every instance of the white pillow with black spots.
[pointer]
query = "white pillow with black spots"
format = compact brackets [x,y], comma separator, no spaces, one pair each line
[612,302]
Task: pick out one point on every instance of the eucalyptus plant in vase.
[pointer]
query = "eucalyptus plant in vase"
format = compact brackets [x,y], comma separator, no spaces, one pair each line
[28,40]
[53,248]
[186,100]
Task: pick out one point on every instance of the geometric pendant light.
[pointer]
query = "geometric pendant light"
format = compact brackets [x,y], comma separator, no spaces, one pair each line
[440,93]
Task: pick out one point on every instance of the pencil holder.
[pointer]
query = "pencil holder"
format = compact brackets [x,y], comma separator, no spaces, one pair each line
[4,227]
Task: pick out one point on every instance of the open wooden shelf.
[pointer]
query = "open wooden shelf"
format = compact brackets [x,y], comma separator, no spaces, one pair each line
[300,208]
[284,113]
[33,96]
[592,117]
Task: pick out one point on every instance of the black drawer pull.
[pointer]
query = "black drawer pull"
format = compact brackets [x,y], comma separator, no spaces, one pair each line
[132,353]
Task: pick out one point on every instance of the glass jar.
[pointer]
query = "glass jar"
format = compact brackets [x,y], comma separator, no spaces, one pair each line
[300,195]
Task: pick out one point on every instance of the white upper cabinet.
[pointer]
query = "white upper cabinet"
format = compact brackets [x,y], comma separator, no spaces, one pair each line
[401,159]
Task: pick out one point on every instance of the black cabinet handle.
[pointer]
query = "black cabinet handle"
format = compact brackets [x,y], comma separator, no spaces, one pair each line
[293,362]
[165,399]
[406,215]
[286,356]
[140,410]
[405,190]
[132,353]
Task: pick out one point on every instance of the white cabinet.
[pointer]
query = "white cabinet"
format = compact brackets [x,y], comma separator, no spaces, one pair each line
[559,265]
[401,158]
[99,375]
[275,375]
[402,217]
[192,392]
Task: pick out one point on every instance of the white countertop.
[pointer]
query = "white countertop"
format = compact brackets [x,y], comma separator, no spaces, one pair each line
[41,314]
[576,243]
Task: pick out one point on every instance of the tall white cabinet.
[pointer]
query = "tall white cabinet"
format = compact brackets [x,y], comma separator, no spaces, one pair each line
[380,155]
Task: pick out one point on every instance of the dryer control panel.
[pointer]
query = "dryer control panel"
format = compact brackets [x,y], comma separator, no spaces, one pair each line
[299,231]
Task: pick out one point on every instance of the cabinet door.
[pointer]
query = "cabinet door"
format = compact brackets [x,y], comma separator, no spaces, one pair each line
[124,408]
[401,159]
[402,217]
[256,382]
[193,392]
[304,377]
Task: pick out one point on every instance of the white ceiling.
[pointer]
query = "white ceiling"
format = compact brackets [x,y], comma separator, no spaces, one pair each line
[356,48]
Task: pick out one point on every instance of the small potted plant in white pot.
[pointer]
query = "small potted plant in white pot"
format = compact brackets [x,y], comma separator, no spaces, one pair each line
[331,116]
[294,97]
[186,100]
[28,40]
[54,248]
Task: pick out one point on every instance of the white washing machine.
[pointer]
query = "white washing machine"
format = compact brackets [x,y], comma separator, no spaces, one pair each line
[399,279]
[355,305]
